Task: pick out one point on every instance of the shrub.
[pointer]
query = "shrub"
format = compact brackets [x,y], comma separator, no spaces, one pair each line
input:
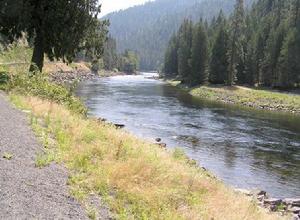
[40,86]
[4,78]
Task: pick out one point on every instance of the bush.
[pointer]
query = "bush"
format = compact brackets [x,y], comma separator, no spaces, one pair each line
[4,79]
[40,86]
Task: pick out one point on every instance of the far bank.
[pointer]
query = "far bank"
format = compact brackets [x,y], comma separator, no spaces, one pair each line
[246,96]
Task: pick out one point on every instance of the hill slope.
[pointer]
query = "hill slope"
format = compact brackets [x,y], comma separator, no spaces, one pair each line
[147,28]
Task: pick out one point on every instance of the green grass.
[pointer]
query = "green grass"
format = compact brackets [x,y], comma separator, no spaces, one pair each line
[16,54]
[255,98]
[137,179]
[39,85]
[44,159]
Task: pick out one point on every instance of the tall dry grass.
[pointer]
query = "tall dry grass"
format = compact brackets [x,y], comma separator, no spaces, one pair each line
[137,179]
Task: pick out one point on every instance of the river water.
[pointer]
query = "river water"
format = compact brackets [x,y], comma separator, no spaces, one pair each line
[245,148]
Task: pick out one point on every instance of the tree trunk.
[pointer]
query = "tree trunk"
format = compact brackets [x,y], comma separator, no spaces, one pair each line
[37,61]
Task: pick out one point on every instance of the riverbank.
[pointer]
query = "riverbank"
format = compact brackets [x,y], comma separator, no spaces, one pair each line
[246,96]
[134,177]
[137,179]
[106,162]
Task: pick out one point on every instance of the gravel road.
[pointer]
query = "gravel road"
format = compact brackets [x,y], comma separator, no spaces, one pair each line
[27,192]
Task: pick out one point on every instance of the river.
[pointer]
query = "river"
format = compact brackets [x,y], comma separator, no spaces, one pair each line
[245,148]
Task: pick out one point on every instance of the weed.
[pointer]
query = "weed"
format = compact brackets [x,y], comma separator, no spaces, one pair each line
[91,212]
[138,180]
[7,156]
[179,154]
[44,159]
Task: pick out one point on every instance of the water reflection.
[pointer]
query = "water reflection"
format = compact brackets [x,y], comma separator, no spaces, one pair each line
[245,148]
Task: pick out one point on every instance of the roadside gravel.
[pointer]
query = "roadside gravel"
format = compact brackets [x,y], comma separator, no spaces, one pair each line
[27,192]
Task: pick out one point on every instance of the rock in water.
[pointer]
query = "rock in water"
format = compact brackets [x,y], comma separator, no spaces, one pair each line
[158,140]
[119,126]
[272,201]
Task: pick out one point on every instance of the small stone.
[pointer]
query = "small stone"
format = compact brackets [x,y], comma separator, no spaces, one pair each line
[119,126]
[260,197]
[101,120]
[259,192]
[295,210]
[272,201]
[292,201]
[296,217]
[273,208]
[162,145]
[158,139]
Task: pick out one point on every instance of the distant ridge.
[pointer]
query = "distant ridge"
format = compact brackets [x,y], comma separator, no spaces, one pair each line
[147,28]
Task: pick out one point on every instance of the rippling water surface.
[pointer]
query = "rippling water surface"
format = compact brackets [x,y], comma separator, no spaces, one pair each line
[246,148]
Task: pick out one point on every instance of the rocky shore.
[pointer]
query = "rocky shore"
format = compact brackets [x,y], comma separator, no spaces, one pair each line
[287,206]
[79,73]
[72,76]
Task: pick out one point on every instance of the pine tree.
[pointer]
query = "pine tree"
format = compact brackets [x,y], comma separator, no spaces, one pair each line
[171,62]
[199,59]
[184,49]
[237,28]
[219,59]
[289,65]
[110,56]
[289,60]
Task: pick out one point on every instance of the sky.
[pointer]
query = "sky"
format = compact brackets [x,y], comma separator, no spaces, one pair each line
[115,5]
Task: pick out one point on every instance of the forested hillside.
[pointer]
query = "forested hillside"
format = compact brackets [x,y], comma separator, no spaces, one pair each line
[257,47]
[147,28]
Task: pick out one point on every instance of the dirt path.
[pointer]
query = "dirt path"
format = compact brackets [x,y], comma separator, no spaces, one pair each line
[27,192]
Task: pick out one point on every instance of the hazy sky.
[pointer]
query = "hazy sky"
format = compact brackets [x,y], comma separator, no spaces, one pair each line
[115,5]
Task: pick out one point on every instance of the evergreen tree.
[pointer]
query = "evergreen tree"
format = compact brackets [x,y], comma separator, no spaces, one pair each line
[184,49]
[171,61]
[199,57]
[289,65]
[59,28]
[219,60]
[237,28]
[261,48]
[110,56]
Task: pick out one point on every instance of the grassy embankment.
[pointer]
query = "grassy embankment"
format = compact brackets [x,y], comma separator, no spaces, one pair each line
[137,179]
[21,55]
[251,97]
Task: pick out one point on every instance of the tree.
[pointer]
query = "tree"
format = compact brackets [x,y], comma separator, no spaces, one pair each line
[110,57]
[185,36]
[219,60]
[199,57]
[171,57]
[129,62]
[289,64]
[237,27]
[59,28]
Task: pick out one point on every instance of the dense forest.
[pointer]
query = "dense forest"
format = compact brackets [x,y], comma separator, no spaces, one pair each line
[127,62]
[147,28]
[258,47]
